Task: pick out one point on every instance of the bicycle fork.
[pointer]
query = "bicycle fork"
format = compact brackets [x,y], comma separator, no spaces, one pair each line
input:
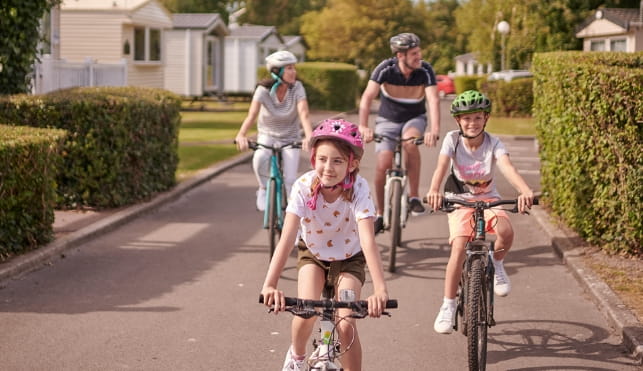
[391,176]
[278,184]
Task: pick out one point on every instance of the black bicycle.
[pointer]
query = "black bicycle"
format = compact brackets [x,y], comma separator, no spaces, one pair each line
[396,198]
[475,290]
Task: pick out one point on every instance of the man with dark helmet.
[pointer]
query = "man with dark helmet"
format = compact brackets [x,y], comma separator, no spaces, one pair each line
[404,83]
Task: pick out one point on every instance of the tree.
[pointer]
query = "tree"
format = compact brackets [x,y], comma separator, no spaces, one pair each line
[442,42]
[19,27]
[357,31]
[284,14]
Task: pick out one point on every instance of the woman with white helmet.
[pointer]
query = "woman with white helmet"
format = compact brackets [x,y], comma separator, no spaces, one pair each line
[279,106]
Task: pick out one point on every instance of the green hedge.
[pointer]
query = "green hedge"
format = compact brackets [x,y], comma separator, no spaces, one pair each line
[510,99]
[464,83]
[122,146]
[329,86]
[589,117]
[29,160]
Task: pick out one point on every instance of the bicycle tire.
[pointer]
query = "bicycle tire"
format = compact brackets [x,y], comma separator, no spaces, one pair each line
[396,227]
[272,217]
[476,317]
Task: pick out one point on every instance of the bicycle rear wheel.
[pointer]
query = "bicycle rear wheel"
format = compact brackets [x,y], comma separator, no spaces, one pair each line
[476,317]
[273,220]
[396,226]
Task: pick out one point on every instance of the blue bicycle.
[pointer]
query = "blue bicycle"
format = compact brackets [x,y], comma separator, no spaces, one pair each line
[276,197]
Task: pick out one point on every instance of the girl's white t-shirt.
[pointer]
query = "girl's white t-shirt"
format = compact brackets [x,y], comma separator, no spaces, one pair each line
[330,231]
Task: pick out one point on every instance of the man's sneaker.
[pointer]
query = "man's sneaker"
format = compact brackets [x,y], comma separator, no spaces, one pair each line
[416,207]
[444,321]
[501,283]
[291,364]
[261,199]
[379,224]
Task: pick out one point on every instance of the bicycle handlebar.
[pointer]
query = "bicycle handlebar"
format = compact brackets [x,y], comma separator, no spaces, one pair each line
[448,203]
[378,138]
[256,145]
[357,305]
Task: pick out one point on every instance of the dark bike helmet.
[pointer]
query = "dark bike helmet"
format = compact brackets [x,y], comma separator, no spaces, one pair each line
[470,101]
[403,42]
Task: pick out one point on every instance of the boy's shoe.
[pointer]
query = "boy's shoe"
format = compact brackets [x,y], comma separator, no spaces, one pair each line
[261,199]
[501,283]
[444,321]
[291,364]
[379,224]
[416,207]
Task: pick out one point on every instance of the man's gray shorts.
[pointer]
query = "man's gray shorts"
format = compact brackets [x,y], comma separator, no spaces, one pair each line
[395,129]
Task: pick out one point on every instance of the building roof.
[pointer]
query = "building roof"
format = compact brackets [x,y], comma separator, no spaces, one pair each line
[102,4]
[623,17]
[290,40]
[252,31]
[466,57]
[195,20]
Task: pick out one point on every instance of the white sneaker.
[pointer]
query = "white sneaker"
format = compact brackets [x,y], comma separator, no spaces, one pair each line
[261,199]
[501,283]
[444,321]
[291,364]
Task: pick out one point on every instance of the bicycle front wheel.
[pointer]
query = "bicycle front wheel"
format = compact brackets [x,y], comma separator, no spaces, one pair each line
[273,218]
[396,225]
[476,317]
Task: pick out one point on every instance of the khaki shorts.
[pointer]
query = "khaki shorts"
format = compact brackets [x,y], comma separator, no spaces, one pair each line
[354,265]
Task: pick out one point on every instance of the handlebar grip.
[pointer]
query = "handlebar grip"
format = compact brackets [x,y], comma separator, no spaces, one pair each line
[392,304]
[536,201]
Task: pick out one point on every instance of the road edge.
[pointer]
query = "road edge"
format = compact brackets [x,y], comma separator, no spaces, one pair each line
[606,300]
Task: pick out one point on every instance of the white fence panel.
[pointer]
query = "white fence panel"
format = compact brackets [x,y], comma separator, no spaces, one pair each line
[56,74]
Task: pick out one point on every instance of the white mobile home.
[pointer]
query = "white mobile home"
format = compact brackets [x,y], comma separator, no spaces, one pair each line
[194,63]
[116,30]
[246,49]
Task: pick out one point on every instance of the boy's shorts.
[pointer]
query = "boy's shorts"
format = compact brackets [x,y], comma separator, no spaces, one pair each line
[395,129]
[354,265]
[461,221]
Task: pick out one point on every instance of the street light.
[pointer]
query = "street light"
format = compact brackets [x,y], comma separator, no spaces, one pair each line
[503,28]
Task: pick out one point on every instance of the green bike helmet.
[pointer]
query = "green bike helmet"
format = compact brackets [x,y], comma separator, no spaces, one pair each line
[470,101]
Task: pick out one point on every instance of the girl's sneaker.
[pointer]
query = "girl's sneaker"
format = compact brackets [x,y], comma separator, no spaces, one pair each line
[501,283]
[444,321]
[292,364]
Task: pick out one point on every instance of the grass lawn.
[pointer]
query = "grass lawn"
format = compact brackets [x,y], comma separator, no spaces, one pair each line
[193,158]
[512,126]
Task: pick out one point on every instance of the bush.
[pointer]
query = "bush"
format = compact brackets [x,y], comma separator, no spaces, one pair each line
[122,145]
[329,86]
[510,99]
[29,161]
[464,83]
[588,111]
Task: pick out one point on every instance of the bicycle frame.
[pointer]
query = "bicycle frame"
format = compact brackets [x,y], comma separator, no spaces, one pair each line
[276,175]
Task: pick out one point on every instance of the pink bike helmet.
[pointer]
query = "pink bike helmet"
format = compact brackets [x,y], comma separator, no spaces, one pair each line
[339,129]
[344,131]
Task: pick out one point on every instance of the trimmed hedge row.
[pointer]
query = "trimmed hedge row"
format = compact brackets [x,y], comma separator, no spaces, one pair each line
[329,86]
[122,145]
[29,160]
[589,117]
[510,99]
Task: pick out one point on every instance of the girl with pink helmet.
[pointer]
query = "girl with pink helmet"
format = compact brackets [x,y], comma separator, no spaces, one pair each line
[332,206]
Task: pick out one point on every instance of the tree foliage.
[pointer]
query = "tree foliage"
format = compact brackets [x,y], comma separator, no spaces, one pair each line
[19,27]
[357,31]
[535,26]
[198,6]
[284,14]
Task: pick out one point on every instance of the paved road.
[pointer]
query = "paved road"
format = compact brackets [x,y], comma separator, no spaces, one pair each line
[176,289]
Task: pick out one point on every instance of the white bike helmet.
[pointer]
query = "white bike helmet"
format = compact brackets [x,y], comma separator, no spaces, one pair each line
[280,59]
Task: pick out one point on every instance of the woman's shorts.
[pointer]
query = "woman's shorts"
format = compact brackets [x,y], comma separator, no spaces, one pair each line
[395,129]
[354,265]
[461,221]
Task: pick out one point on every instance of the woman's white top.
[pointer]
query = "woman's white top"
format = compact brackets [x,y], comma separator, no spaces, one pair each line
[277,119]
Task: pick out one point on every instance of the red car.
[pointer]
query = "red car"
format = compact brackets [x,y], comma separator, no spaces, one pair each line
[445,85]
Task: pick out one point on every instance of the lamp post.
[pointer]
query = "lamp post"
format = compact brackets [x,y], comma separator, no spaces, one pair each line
[503,28]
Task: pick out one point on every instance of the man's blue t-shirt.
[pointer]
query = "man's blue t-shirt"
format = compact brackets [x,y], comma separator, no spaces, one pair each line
[402,99]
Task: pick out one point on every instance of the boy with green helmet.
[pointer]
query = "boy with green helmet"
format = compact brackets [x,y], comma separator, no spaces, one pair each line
[469,157]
